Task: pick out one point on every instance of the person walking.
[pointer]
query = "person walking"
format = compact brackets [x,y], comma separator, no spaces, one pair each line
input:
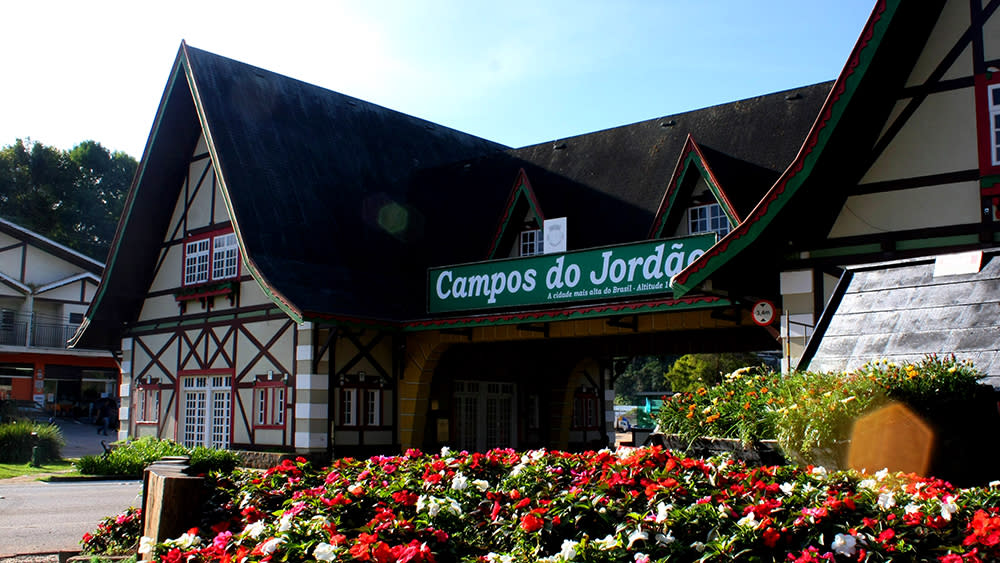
[103,414]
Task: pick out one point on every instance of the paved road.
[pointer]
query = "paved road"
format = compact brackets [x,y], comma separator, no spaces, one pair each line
[39,517]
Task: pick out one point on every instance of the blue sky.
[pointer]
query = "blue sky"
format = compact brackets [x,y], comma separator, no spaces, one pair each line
[516,72]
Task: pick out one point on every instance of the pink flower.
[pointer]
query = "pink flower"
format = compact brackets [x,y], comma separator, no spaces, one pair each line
[221,540]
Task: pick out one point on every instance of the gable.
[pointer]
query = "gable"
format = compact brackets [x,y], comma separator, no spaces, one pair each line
[834,155]
[521,211]
[692,183]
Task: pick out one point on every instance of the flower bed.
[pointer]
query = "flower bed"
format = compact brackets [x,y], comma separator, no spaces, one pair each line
[811,414]
[634,504]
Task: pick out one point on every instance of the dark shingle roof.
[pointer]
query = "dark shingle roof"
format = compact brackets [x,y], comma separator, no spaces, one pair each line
[342,205]
[901,312]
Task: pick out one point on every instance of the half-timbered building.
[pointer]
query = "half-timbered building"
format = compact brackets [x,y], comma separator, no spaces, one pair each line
[301,270]
[45,288]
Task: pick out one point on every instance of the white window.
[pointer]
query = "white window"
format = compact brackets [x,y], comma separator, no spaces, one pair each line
[225,256]
[707,219]
[349,406]
[270,406]
[211,258]
[148,409]
[373,407]
[361,406]
[207,400]
[993,101]
[196,261]
[531,242]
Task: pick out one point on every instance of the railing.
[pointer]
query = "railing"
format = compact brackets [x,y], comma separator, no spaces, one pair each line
[16,328]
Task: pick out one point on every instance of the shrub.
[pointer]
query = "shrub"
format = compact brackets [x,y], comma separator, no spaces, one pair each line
[132,457]
[16,441]
[811,413]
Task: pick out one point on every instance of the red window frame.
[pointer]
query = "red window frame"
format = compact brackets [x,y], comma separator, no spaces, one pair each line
[211,237]
[988,144]
[273,414]
[145,391]
[585,415]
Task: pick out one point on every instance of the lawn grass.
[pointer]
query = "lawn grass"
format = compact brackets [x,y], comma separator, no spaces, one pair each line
[8,470]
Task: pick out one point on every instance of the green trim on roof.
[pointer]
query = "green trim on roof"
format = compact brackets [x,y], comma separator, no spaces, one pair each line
[130,201]
[523,190]
[693,159]
[801,168]
[596,311]
[271,294]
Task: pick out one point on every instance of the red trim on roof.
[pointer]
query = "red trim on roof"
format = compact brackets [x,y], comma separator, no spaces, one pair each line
[663,211]
[520,180]
[553,314]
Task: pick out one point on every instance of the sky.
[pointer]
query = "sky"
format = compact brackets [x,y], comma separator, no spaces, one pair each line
[518,72]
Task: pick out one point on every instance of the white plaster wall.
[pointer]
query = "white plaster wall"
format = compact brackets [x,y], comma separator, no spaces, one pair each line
[934,206]
[991,36]
[44,268]
[952,23]
[939,137]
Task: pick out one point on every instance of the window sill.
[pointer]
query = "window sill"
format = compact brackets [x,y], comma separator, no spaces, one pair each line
[205,291]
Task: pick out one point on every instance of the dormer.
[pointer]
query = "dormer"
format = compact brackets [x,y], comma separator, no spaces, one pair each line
[694,202]
[519,230]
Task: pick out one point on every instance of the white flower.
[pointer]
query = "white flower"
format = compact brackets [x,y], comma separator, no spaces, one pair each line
[254,530]
[481,484]
[886,501]
[948,507]
[698,546]
[911,508]
[285,523]
[606,543]
[869,484]
[844,544]
[749,521]
[994,484]
[445,450]
[497,558]
[568,551]
[723,511]
[882,473]
[146,544]
[460,482]
[665,539]
[185,542]
[819,470]
[787,488]
[268,547]
[324,552]
[517,470]
[662,511]
[637,535]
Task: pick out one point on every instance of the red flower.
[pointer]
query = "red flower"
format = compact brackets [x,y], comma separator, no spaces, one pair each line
[886,535]
[531,523]
[771,537]
[172,556]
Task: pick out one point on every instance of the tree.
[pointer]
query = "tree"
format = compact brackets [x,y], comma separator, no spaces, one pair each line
[692,371]
[641,374]
[72,197]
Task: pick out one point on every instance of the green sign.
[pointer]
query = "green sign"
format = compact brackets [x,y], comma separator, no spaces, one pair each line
[616,272]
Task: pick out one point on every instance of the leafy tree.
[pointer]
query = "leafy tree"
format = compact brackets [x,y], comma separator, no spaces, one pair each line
[692,371]
[73,197]
[641,374]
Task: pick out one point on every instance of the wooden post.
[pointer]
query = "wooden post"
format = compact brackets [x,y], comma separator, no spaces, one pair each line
[170,497]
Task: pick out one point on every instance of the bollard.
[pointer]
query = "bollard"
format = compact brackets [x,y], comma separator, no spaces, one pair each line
[36,452]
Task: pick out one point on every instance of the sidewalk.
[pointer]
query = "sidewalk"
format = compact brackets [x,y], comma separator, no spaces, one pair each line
[82,437]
